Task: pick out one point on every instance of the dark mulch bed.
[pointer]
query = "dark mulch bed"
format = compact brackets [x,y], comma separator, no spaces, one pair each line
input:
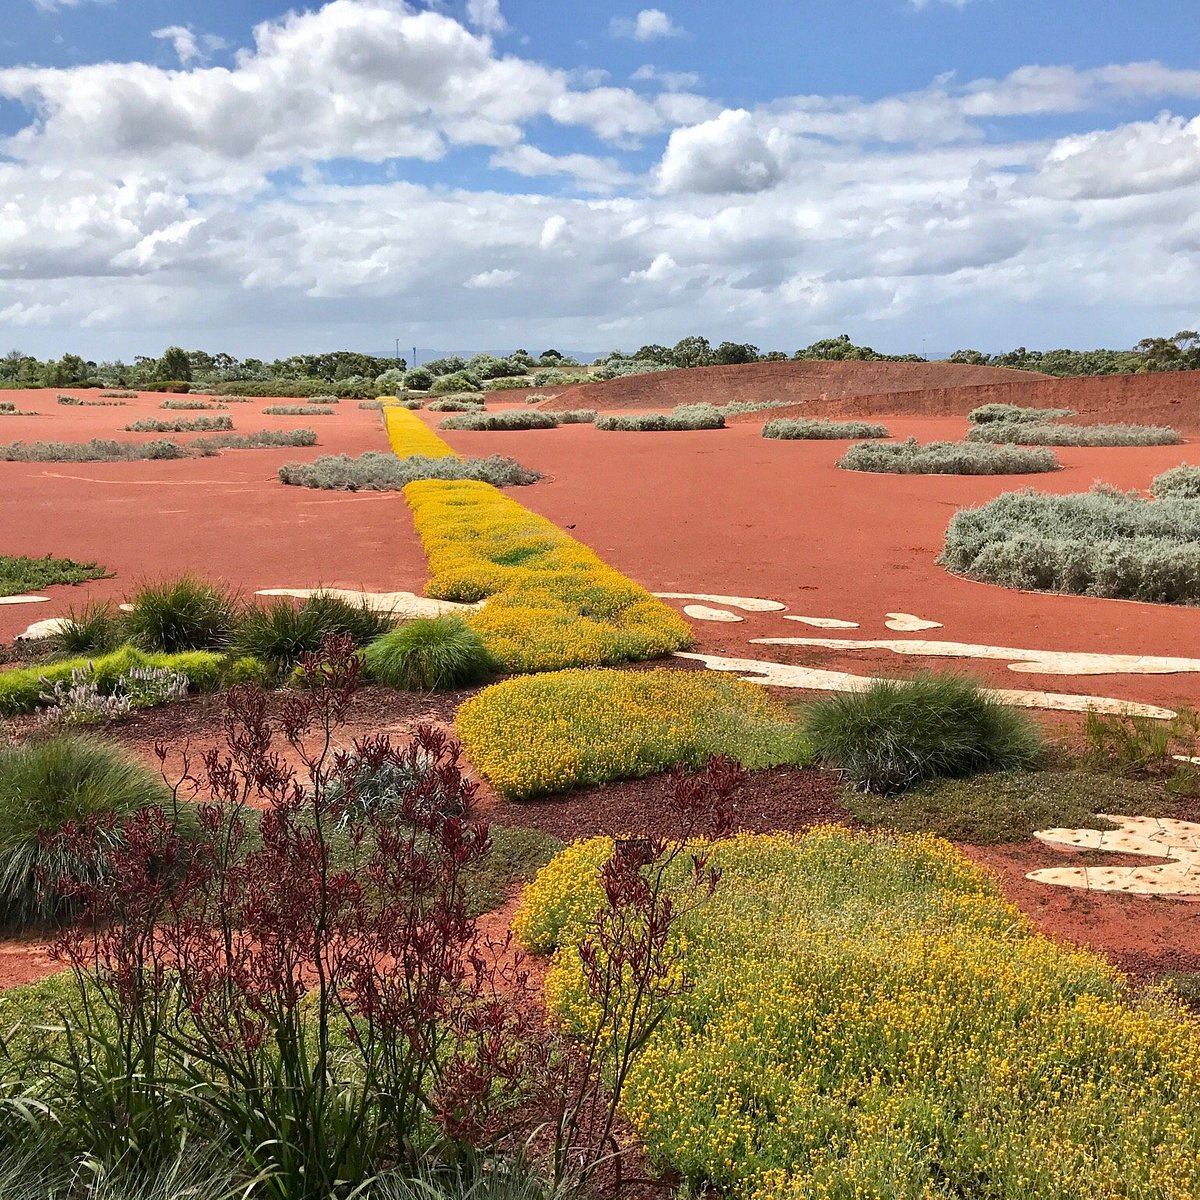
[779,799]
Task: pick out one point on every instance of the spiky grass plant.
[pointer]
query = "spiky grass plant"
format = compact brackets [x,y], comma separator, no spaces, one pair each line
[46,785]
[182,614]
[92,629]
[281,631]
[429,654]
[896,733]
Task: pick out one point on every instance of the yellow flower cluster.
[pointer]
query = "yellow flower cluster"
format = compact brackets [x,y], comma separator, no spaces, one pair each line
[869,1019]
[547,733]
[552,603]
[410,436]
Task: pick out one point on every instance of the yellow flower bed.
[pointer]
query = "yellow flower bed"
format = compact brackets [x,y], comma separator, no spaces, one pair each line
[871,1020]
[410,436]
[552,603]
[547,733]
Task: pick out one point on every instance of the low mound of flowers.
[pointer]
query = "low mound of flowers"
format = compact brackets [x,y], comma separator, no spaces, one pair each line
[409,435]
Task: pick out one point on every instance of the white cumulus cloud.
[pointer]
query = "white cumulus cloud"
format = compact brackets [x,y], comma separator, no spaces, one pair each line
[650,23]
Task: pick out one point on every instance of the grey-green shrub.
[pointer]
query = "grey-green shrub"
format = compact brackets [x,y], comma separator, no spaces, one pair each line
[263,439]
[811,429]
[990,414]
[738,407]
[198,425]
[946,458]
[189,405]
[96,450]
[513,418]
[1029,433]
[685,417]
[297,410]
[1179,483]
[573,416]
[457,404]
[1098,543]
[376,471]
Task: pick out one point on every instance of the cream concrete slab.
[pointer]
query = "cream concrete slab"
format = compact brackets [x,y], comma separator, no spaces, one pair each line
[907,623]
[42,629]
[399,604]
[814,679]
[25,599]
[824,622]
[747,603]
[701,612]
[1031,662]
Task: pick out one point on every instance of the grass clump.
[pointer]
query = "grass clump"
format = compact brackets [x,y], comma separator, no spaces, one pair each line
[1007,806]
[181,614]
[1144,748]
[183,425]
[93,629]
[46,785]
[298,410]
[1179,483]
[897,733]
[264,439]
[1097,543]
[550,733]
[21,573]
[552,602]
[877,990]
[946,458]
[807,430]
[684,417]
[512,418]
[1030,433]
[992,414]
[95,450]
[429,654]
[279,632]
[378,472]
[190,405]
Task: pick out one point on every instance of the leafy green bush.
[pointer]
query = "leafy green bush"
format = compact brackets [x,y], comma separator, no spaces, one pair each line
[1029,433]
[687,416]
[96,450]
[1179,483]
[199,425]
[946,458]
[46,785]
[297,410]
[93,629]
[991,414]
[1097,543]
[20,573]
[456,381]
[897,733]
[375,471]
[264,439]
[181,614]
[512,418]
[279,632]
[818,429]
[297,389]
[429,654]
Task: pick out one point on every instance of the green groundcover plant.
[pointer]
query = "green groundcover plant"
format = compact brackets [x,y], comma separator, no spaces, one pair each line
[21,573]
[946,458]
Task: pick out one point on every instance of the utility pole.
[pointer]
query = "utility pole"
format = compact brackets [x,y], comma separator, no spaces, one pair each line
[397,349]
[414,358]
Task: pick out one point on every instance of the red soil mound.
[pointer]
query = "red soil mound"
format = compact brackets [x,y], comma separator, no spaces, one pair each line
[804,382]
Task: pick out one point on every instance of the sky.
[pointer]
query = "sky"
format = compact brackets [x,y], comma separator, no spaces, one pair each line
[238,176]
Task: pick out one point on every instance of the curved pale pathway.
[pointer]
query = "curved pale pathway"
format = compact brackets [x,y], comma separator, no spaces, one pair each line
[1032,662]
[399,604]
[747,603]
[907,623]
[1151,837]
[783,675]
[701,612]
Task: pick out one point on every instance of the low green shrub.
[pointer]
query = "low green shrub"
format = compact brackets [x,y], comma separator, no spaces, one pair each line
[297,389]
[813,429]
[1029,433]
[991,414]
[190,405]
[1179,483]
[198,425]
[96,450]
[264,439]
[279,632]
[20,573]
[297,410]
[573,416]
[429,654]
[512,418]
[897,733]
[181,614]
[118,395]
[946,458]
[457,404]
[46,786]
[375,471]
[1097,543]
[456,382]
[180,386]
[685,417]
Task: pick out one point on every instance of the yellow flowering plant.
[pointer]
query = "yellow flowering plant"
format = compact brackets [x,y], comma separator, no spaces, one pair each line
[409,435]
[869,1018]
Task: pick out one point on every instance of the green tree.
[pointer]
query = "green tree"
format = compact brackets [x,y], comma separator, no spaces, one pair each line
[692,351]
[174,364]
[734,353]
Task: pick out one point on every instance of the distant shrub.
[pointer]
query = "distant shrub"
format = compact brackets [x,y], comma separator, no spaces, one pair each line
[896,733]
[552,377]
[118,395]
[168,385]
[457,404]
[76,401]
[1028,433]
[1097,543]
[573,416]
[429,654]
[737,407]
[507,385]
[190,405]
[690,416]
[378,472]
[946,458]
[299,389]
[198,425]
[326,399]
[537,397]
[279,632]
[512,418]
[418,379]
[990,414]
[456,381]
[262,440]
[68,400]
[181,614]
[96,450]
[297,410]
[1179,483]
[805,430]
[50,784]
